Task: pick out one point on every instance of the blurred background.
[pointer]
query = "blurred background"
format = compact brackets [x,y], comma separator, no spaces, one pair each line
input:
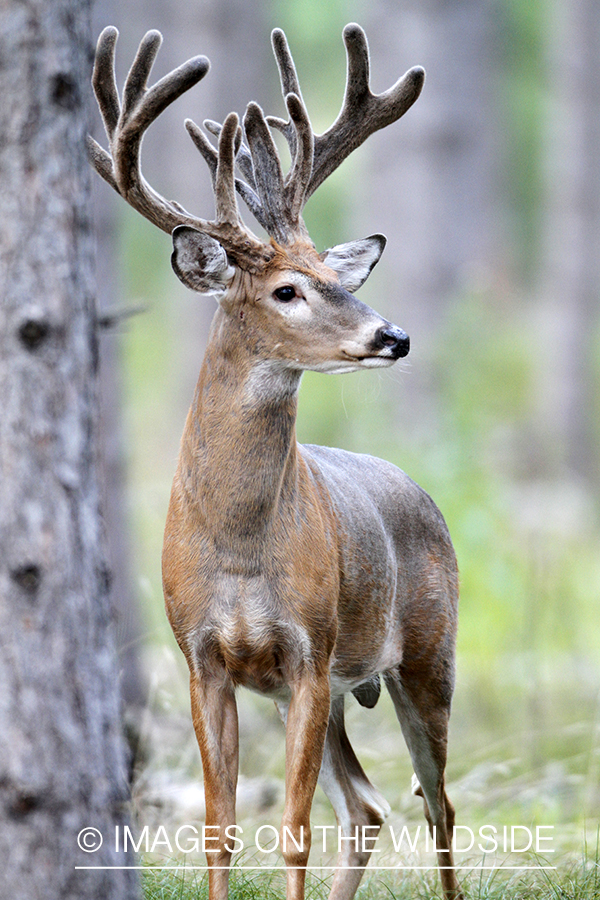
[489,193]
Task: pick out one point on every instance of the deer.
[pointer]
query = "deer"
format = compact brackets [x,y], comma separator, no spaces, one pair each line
[300,572]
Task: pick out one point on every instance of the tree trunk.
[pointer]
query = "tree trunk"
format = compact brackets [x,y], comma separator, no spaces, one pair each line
[570,277]
[62,759]
[433,176]
[431,180]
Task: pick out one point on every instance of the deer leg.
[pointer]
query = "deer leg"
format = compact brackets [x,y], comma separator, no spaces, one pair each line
[214,714]
[305,727]
[423,717]
[359,807]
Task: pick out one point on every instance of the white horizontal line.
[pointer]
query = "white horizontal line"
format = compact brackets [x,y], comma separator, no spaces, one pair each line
[313,868]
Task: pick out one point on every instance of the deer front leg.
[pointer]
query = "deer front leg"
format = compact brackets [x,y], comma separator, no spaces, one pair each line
[214,713]
[306,727]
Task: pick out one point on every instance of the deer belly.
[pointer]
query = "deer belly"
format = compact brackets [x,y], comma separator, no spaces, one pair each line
[369,639]
[360,659]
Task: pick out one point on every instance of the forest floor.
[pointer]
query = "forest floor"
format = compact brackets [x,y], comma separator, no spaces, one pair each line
[569,881]
[523,774]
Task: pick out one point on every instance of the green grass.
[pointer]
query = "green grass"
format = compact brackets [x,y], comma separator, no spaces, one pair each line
[572,880]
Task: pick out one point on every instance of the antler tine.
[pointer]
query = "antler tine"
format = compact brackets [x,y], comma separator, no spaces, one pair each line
[282,201]
[362,112]
[299,175]
[103,80]
[289,85]
[136,82]
[207,151]
[225,199]
[211,156]
[102,162]
[285,62]
[243,156]
[268,175]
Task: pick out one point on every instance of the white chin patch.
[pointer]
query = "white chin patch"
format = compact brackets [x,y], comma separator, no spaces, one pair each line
[377,362]
[339,367]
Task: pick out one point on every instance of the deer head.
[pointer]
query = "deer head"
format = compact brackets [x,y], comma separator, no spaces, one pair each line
[281,287]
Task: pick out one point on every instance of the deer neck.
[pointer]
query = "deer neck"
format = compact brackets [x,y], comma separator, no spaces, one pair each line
[239,453]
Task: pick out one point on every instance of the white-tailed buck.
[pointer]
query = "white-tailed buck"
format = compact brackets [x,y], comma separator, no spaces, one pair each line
[302,573]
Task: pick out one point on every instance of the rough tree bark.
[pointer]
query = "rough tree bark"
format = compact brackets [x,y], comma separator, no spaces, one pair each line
[62,760]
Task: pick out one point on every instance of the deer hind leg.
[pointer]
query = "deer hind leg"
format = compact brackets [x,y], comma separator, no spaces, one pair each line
[214,714]
[423,711]
[359,807]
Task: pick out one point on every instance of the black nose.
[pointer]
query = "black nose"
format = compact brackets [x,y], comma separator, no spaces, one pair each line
[391,338]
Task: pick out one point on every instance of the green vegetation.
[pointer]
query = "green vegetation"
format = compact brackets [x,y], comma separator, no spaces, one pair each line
[576,880]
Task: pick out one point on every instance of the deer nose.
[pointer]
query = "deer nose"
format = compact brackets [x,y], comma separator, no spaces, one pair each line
[396,340]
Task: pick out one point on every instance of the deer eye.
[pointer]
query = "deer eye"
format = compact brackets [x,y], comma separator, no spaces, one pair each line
[285,293]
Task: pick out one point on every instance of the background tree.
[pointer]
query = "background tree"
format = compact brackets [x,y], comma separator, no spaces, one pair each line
[569,301]
[436,182]
[62,759]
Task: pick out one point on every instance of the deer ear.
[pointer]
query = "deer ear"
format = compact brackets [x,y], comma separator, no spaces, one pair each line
[353,261]
[200,261]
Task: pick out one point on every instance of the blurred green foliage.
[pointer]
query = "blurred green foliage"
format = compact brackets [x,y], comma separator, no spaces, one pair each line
[523,103]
